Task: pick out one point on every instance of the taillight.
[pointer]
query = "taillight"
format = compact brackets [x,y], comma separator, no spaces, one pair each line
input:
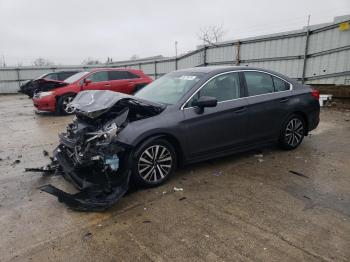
[315,93]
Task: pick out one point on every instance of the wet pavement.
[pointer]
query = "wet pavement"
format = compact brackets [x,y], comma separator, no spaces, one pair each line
[246,207]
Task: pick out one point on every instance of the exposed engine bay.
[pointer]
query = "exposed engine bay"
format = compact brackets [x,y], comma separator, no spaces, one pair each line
[40,85]
[89,154]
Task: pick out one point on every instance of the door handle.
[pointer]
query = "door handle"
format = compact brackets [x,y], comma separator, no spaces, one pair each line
[284,100]
[107,85]
[240,110]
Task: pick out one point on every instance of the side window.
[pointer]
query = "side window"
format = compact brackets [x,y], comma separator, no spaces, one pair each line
[132,76]
[224,87]
[98,77]
[118,75]
[258,83]
[63,76]
[280,85]
[52,76]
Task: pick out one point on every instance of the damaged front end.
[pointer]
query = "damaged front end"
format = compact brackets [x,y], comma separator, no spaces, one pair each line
[32,87]
[89,154]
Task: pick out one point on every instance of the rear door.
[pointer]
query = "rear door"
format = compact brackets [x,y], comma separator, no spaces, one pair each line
[269,103]
[99,81]
[218,128]
[121,81]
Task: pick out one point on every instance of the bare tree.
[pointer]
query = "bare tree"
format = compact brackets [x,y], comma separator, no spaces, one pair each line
[211,35]
[134,57]
[91,61]
[42,62]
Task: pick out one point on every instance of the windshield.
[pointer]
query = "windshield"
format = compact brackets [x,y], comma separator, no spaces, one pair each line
[170,88]
[75,77]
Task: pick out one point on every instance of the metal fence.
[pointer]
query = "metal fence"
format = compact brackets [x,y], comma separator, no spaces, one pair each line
[319,54]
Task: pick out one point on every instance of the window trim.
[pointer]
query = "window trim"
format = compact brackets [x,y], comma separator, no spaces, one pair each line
[237,71]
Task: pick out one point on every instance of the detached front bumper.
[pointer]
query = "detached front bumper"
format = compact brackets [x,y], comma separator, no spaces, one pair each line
[92,196]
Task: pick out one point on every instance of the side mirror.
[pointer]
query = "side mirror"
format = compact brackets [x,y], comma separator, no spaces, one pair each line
[87,81]
[204,101]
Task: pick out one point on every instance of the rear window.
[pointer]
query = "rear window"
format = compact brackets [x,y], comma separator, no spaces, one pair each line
[280,85]
[132,75]
[258,83]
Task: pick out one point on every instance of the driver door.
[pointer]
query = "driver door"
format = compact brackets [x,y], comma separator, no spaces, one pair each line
[217,129]
[99,81]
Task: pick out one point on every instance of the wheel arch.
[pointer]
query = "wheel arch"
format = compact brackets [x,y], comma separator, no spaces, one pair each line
[168,137]
[304,116]
[57,97]
[65,94]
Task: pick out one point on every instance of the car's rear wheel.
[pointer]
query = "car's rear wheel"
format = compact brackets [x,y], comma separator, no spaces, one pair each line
[63,105]
[292,133]
[154,163]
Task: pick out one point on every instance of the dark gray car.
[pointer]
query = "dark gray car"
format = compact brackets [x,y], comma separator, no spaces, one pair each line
[185,116]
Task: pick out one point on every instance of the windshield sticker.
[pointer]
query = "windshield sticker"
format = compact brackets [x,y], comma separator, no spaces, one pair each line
[190,78]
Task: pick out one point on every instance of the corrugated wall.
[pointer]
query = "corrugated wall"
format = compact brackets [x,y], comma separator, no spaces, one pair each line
[317,55]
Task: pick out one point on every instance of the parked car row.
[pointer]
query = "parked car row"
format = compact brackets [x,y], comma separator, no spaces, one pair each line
[58,96]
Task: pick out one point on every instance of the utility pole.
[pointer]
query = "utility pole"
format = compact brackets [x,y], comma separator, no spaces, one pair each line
[175,49]
[3,61]
[307,35]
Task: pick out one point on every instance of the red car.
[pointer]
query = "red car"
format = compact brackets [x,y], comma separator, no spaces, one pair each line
[120,80]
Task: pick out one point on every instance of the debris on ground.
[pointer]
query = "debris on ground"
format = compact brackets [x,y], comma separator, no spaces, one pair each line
[17,161]
[87,236]
[259,155]
[177,189]
[297,173]
[260,160]
[219,173]
[45,153]
[182,198]
[146,221]
[307,197]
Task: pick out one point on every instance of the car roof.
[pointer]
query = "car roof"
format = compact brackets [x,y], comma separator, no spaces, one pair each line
[213,70]
[218,69]
[112,69]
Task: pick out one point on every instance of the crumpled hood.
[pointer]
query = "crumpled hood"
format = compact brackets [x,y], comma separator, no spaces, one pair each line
[93,103]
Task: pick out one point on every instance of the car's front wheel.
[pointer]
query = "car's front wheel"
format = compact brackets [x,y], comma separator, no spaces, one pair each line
[63,105]
[292,133]
[154,162]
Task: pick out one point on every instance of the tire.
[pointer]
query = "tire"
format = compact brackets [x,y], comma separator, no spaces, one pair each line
[154,162]
[62,107]
[292,132]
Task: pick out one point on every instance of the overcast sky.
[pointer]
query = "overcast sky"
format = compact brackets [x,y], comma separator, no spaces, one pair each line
[68,31]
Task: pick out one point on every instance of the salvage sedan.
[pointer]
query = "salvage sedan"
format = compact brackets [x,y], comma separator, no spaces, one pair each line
[185,116]
[45,82]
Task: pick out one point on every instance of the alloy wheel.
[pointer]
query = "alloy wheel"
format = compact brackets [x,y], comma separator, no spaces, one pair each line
[294,132]
[66,105]
[155,163]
